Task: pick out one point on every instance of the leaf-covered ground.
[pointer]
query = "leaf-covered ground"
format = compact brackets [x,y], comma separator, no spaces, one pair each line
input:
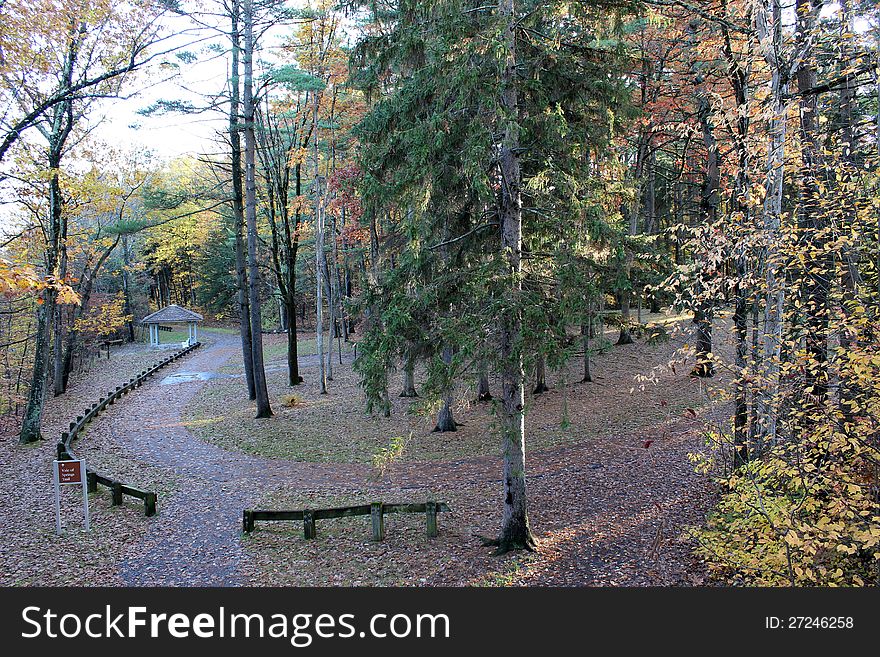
[334,427]
[611,488]
[32,553]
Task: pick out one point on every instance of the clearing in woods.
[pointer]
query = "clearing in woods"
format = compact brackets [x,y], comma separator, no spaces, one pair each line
[610,484]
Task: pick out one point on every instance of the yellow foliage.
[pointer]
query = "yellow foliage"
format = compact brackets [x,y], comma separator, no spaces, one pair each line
[106,319]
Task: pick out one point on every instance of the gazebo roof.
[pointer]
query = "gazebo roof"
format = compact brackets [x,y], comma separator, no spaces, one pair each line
[172,314]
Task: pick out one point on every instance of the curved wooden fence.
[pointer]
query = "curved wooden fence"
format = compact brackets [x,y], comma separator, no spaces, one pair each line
[93,478]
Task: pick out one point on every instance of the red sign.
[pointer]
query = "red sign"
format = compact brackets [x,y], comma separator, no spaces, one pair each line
[69,472]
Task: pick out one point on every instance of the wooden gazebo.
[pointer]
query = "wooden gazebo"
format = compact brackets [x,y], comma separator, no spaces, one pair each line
[172,315]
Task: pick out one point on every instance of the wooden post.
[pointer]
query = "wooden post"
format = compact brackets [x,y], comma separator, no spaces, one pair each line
[62,447]
[378,521]
[116,492]
[92,482]
[431,514]
[309,524]
[150,505]
[247,521]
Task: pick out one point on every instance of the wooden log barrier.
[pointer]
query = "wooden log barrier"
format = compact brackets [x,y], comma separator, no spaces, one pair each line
[431,518]
[93,479]
[309,524]
[116,492]
[376,511]
[378,519]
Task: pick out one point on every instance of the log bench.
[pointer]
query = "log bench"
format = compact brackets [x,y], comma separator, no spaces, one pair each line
[375,510]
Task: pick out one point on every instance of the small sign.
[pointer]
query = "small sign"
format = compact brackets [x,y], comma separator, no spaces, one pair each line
[70,472]
[169,329]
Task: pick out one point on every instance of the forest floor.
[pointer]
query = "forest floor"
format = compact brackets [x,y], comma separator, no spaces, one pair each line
[611,487]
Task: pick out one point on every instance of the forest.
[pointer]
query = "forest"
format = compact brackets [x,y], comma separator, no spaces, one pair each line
[603,276]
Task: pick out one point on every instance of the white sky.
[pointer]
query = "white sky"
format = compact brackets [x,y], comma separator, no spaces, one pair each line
[174,135]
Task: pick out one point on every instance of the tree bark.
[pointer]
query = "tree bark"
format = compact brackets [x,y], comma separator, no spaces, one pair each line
[58,326]
[586,329]
[235,120]
[540,376]
[126,287]
[812,222]
[319,259]
[483,392]
[625,337]
[331,305]
[445,420]
[409,379]
[262,394]
[709,200]
[515,532]
[80,311]
[850,277]
[739,82]
[57,134]
[770,342]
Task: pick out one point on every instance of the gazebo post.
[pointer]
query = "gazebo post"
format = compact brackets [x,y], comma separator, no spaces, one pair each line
[173,314]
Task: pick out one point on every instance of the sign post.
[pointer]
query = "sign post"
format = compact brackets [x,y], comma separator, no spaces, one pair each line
[67,473]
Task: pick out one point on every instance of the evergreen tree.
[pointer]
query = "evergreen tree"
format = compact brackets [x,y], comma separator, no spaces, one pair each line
[473,156]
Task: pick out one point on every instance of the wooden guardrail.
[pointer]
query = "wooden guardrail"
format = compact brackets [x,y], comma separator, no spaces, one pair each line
[93,478]
[375,510]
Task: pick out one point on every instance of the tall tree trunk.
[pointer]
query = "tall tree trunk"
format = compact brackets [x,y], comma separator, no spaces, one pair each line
[126,287]
[624,296]
[445,420]
[293,377]
[80,311]
[850,277]
[235,126]
[33,411]
[812,222]
[709,200]
[331,305]
[770,342]
[409,378]
[586,329]
[738,77]
[319,258]
[540,376]
[262,393]
[515,530]
[57,134]
[58,330]
[291,250]
[483,392]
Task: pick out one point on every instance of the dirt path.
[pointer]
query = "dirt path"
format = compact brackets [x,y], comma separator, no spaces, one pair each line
[609,511]
[196,542]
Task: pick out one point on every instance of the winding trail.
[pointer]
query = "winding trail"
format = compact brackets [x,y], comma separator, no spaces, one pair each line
[195,544]
[605,508]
